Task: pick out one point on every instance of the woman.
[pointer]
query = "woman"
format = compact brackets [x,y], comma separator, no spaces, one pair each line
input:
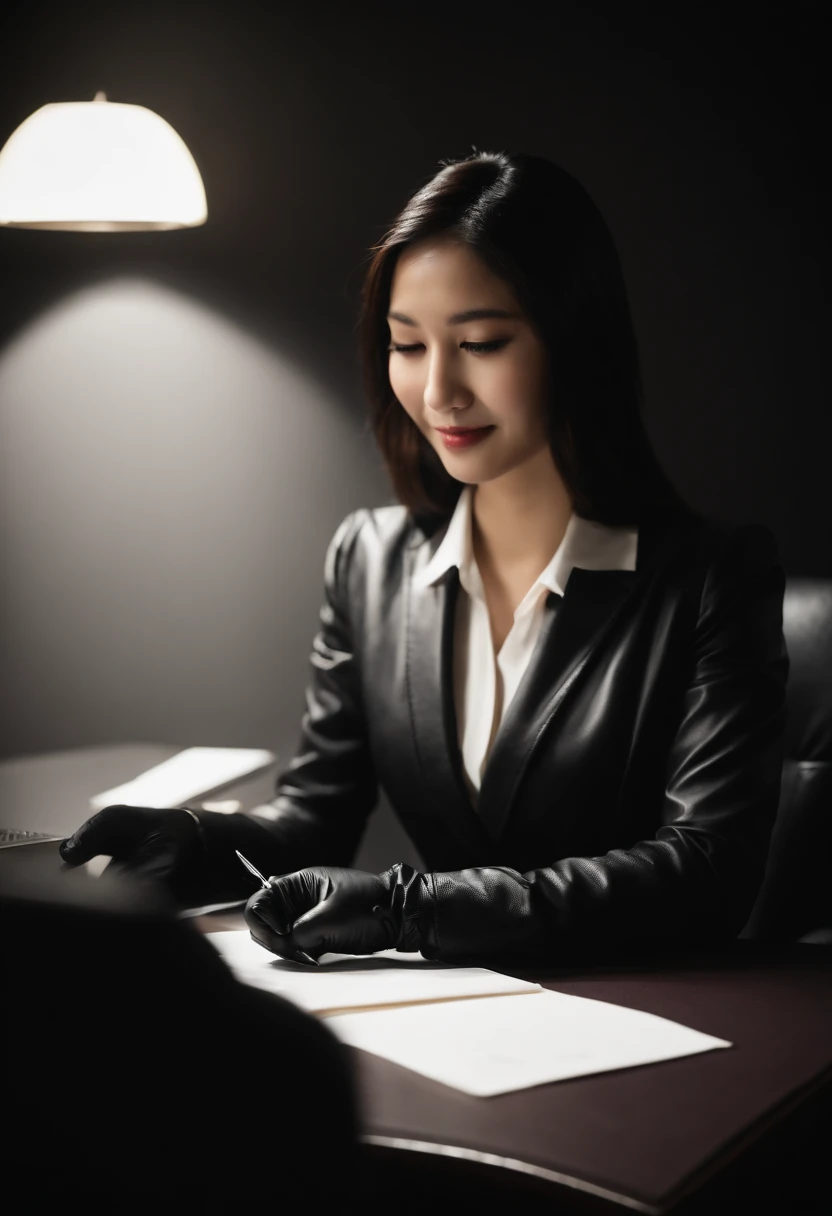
[569,684]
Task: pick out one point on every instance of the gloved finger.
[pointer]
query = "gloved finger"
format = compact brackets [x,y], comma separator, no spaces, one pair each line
[296,893]
[279,944]
[154,859]
[263,931]
[287,898]
[311,931]
[269,909]
[100,834]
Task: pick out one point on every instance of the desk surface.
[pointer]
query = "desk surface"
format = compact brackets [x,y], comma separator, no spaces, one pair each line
[639,1138]
[635,1139]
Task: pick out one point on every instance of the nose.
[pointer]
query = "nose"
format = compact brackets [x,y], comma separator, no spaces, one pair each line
[445,391]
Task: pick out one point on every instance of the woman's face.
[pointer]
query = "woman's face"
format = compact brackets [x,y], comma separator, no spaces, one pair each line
[477,372]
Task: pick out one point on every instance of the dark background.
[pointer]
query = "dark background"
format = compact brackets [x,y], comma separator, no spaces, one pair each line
[181,413]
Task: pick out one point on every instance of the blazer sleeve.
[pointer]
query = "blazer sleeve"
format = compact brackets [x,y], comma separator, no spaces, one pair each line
[697,879]
[326,793]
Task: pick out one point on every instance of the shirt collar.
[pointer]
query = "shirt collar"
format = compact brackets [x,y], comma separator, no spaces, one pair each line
[586,544]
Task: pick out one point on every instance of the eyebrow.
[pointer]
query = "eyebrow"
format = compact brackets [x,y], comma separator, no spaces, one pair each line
[459,318]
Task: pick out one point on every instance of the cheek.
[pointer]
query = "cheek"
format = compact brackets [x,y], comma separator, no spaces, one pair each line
[512,386]
[402,384]
[409,391]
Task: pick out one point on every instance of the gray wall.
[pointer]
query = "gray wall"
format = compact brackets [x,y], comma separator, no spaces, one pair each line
[181,416]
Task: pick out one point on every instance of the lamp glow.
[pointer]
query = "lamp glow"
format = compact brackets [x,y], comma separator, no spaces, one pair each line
[99,166]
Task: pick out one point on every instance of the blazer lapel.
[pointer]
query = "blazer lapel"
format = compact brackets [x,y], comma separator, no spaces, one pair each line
[429,684]
[573,626]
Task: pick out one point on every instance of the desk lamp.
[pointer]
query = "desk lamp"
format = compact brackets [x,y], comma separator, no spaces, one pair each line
[98,166]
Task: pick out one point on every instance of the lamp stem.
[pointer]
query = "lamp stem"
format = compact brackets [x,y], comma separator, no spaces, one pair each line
[100,96]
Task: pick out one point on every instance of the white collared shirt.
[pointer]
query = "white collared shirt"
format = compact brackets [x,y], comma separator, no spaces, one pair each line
[484,683]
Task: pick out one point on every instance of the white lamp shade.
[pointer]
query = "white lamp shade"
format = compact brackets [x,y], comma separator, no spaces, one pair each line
[98,166]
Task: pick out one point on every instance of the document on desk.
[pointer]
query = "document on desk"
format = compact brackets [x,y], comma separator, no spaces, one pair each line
[474,1029]
[187,776]
[353,982]
[498,1044]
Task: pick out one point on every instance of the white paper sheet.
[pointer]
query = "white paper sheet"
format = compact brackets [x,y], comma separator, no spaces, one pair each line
[503,1043]
[188,775]
[358,981]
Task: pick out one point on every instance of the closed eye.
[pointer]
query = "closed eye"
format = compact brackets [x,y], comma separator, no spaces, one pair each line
[476,348]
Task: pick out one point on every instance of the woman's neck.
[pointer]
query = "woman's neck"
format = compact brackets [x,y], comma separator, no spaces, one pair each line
[518,522]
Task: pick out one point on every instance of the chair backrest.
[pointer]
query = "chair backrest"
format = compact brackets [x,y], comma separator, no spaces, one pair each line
[796,894]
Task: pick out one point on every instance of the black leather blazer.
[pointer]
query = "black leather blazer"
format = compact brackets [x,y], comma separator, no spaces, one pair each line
[631,790]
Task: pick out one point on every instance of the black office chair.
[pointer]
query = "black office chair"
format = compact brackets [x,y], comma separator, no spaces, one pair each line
[139,1075]
[795,900]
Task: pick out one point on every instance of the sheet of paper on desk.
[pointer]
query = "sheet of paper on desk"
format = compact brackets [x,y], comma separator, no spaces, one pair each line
[186,776]
[358,981]
[503,1043]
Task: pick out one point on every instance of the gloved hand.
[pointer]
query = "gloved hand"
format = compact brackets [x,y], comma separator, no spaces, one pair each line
[325,909]
[161,845]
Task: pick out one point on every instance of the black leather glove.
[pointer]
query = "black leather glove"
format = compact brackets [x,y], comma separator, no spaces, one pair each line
[325,909]
[148,843]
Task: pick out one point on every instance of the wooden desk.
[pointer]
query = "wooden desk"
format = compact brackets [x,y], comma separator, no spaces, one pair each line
[723,1131]
[680,1136]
